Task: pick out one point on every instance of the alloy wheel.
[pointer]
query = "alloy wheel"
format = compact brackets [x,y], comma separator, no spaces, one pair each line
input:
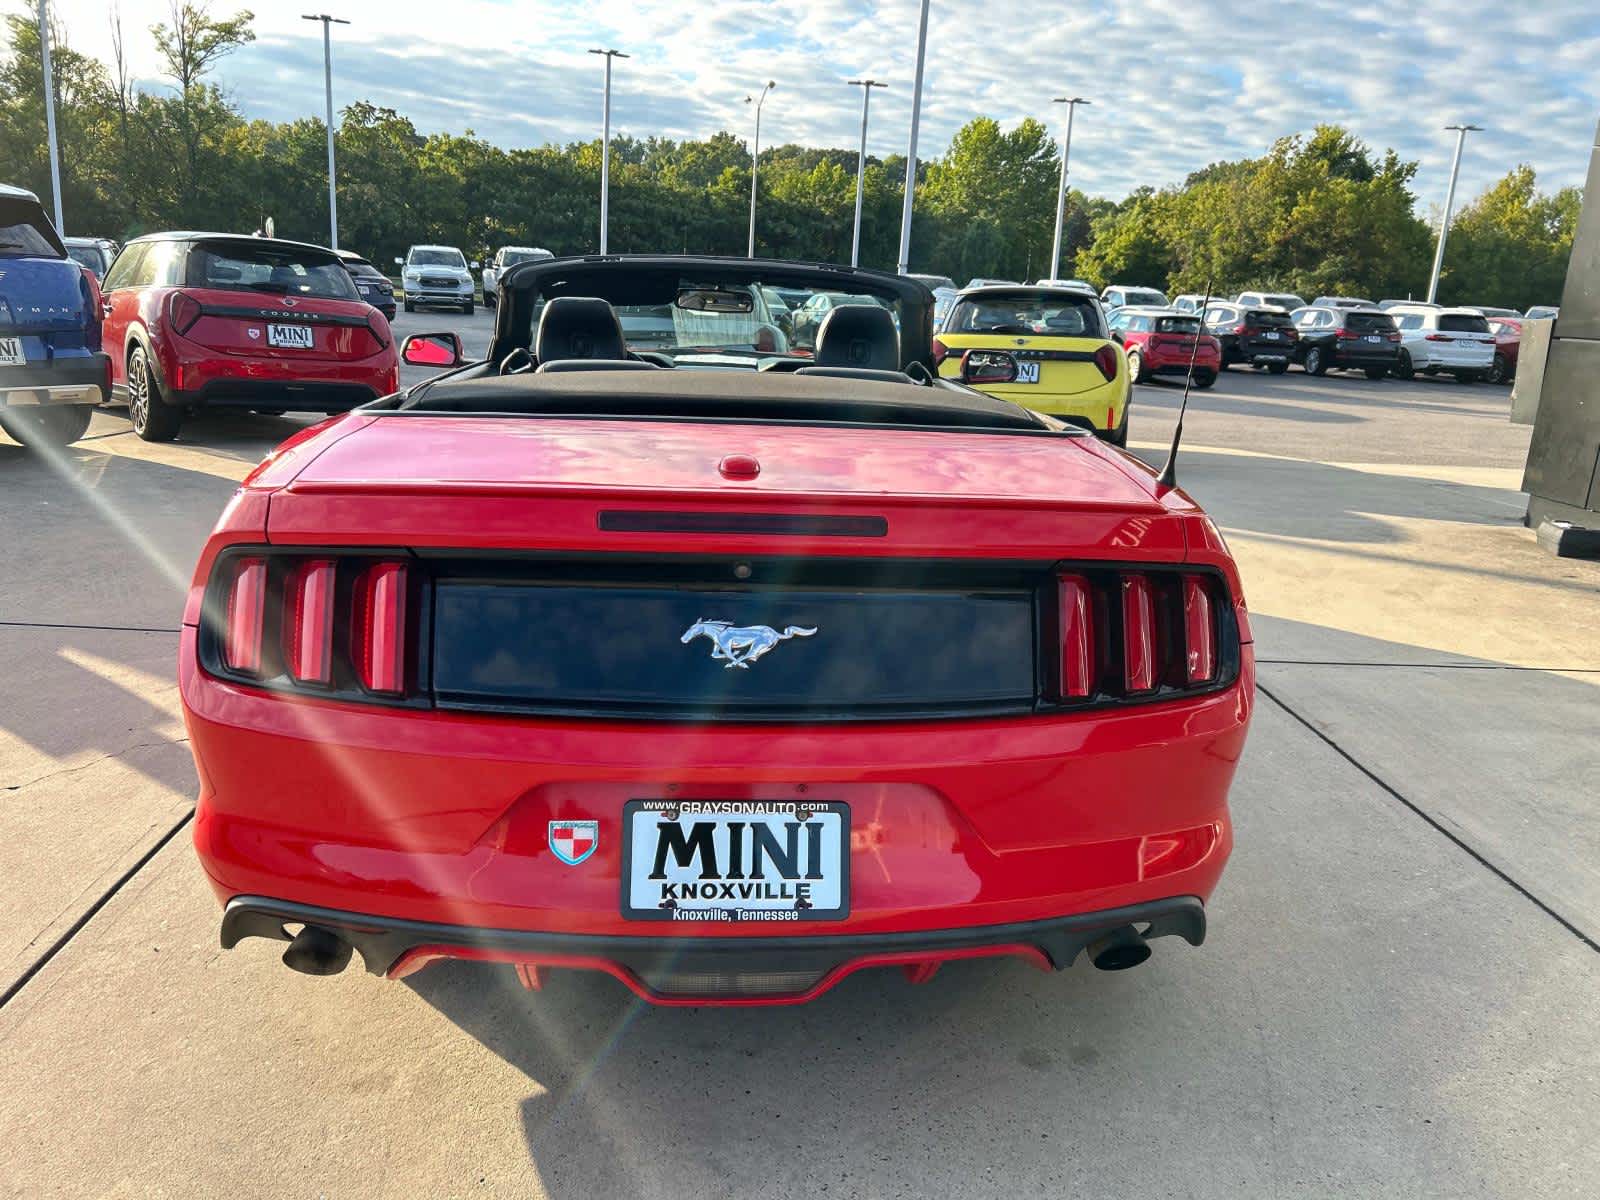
[138,390]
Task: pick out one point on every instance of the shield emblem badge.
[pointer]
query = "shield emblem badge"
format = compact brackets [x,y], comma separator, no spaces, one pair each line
[574,841]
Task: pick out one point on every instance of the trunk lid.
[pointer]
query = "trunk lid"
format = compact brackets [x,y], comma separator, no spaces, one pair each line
[275,326]
[550,482]
[44,297]
[1066,364]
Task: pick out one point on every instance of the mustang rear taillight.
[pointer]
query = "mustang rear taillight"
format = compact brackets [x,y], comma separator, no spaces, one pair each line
[1075,608]
[378,639]
[1137,635]
[1199,632]
[246,611]
[184,310]
[940,352]
[1106,359]
[308,621]
[379,327]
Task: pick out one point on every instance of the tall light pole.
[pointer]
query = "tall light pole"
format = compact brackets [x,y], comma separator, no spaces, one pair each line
[1449,202]
[1061,188]
[755,163]
[605,151]
[911,146]
[866,86]
[50,113]
[327,84]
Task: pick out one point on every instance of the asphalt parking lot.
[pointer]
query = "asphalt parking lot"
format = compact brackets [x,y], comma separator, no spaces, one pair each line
[1397,997]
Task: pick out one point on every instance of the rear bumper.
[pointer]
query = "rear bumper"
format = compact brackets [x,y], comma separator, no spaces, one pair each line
[290,395]
[77,380]
[666,970]
[1362,357]
[1451,360]
[216,380]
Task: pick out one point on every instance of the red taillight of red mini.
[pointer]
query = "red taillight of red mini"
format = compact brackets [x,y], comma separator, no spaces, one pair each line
[1075,609]
[378,641]
[940,352]
[1199,631]
[308,621]
[379,327]
[1106,359]
[244,619]
[184,311]
[1138,634]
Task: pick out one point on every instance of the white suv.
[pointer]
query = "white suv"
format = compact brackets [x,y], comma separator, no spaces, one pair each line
[437,276]
[1453,340]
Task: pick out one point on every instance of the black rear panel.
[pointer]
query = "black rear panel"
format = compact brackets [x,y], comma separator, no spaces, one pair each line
[788,640]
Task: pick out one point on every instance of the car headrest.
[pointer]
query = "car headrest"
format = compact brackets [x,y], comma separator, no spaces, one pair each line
[579,327]
[858,335]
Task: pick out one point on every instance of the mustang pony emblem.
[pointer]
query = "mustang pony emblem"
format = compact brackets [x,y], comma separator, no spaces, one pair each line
[741,645]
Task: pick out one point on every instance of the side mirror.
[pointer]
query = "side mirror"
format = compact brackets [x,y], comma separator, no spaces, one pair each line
[432,350]
[399,262]
[988,366]
[474,264]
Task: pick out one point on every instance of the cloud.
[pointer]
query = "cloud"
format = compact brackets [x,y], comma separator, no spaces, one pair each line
[1174,86]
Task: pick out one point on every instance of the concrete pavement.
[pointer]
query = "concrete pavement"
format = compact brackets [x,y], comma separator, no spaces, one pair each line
[1396,997]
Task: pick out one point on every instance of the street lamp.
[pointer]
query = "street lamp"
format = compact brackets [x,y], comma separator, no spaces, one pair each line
[327,83]
[50,114]
[605,150]
[911,146]
[1449,201]
[1061,189]
[866,86]
[755,162]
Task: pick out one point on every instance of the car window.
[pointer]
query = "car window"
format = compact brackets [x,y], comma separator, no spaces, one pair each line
[125,271]
[269,267]
[1027,312]
[442,257]
[1176,324]
[88,256]
[1370,322]
[1410,321]
[1463,323]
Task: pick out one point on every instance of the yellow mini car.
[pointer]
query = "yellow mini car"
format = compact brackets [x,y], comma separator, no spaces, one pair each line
[1067,364]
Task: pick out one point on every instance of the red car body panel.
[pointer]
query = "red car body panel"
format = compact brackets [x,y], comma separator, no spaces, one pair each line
[423,815]
[1165,352]
[1508,341]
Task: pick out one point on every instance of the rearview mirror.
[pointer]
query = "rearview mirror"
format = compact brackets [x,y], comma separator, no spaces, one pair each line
[432,350]
[715,300]
[988,366]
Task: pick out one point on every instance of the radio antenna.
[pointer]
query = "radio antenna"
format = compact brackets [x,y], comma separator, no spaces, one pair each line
[1169,473]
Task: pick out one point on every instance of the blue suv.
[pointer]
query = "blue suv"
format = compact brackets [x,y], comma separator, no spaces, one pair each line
[52,371]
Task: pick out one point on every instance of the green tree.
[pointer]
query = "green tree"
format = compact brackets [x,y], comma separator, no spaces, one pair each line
[190,46]
[1510,246]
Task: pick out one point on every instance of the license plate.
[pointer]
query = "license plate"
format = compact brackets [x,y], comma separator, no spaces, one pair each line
[1271,337]
[290,337]
[1027,372]
[744,861]
[1374,337]
[11,354]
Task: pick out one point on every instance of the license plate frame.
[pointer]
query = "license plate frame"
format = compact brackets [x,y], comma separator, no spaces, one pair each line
[752,903]
[291,337]
[11,352]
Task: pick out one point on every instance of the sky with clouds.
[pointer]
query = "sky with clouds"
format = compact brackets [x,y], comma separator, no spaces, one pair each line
[1174,86]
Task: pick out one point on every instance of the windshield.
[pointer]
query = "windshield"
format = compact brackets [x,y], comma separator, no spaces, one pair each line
[1025,313]
[1135,297]
[437,258]
[247,267]
[1369,322]
[781,321]
[1177,325]
[25,238]
[89,256]
[511,258]
[1463,323]
[1283,300]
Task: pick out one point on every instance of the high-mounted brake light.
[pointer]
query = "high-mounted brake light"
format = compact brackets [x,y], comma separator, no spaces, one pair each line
[1138,634]
[308,622]
[1199,631]
[1106,359]
[1075,607]
[244,617]
[378,641]
[184,310]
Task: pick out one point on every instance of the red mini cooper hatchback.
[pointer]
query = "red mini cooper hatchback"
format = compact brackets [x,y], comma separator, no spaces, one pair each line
[218,320]
[1161,341]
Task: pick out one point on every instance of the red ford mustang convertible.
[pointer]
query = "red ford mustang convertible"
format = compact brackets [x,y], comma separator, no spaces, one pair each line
[657,646]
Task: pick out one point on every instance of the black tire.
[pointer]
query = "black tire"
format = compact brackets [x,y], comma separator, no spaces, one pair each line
[488,300]
[1136,370]
[152,418]
[52,425]
[1377,372]
[467,308]
[1497,370]
[1316,361]
[1403,368]
[410,307]
[1204,379]
[1277,368]
[1467,376]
